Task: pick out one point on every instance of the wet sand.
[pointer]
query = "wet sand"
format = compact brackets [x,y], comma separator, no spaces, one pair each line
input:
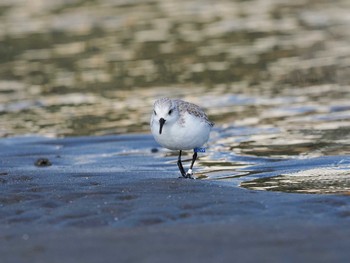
[110,199]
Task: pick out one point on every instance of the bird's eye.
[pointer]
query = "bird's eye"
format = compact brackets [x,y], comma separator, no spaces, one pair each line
[155,113]
[170,112]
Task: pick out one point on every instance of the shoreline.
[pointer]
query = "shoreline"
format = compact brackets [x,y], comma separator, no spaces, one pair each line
[102,199]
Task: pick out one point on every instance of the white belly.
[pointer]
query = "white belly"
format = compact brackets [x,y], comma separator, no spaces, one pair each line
[192,134]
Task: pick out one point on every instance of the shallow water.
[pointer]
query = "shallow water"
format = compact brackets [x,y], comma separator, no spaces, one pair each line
[272,75]
[121,181]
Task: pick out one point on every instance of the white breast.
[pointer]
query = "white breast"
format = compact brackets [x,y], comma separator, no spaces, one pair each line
[192,132]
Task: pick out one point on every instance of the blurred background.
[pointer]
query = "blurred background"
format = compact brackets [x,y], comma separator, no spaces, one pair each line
[94,67]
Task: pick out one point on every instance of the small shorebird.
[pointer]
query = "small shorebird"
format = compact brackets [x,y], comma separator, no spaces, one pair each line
[180,125]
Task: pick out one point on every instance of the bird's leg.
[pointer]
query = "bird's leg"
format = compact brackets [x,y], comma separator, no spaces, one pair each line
[189,172]
[179,164]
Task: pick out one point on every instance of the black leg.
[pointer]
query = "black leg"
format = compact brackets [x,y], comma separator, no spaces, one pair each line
[181,168]
[194,158]
[189,173]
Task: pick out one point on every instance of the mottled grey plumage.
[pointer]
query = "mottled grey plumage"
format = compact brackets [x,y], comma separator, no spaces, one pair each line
[184,107]
[192,109]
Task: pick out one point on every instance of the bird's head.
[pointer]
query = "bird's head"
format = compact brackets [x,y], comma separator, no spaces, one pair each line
[165,112]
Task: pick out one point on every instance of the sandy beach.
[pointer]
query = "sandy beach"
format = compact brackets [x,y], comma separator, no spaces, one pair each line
[99,202]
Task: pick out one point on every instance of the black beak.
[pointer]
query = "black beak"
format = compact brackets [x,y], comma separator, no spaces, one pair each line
[161,123]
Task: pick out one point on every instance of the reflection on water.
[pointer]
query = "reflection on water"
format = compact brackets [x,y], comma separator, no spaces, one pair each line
[273,75]
[316,180]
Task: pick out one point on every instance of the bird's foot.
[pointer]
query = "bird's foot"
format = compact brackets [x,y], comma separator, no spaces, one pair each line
[189,174]
[186,176]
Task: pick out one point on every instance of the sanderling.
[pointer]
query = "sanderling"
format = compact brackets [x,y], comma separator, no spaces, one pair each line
[180,125]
